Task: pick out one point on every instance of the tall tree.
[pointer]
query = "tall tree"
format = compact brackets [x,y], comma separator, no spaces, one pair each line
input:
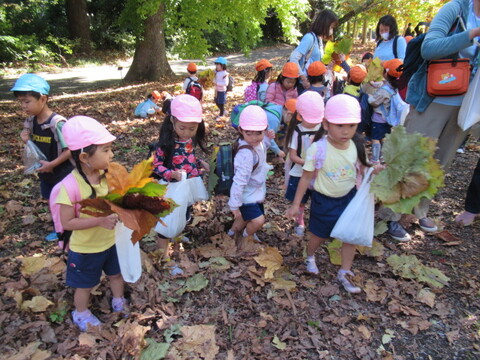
[79,24]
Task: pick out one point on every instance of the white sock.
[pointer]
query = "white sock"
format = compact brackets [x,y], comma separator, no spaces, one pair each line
[311,258]
[230,232]
[245,232]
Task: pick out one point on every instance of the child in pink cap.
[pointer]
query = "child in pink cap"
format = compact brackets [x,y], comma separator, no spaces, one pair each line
[300,133]
[92,242]
[335,163]
[248,190]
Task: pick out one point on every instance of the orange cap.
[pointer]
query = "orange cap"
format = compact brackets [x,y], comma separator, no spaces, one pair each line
[358,73]
[192,67]
[156,95]
[316,68]
[391,67]
[263,64]
[408,38]
[290,70]
[291,105]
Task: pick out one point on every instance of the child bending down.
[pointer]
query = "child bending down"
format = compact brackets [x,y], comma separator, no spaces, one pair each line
[335,163]
[92,243]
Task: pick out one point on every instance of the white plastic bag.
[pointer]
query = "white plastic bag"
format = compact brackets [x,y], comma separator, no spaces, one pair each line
[185,193]
[31,157]
[128,254]
[469,113]
[355,225]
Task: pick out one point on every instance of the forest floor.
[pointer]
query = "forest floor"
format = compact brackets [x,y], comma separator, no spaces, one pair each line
[226,306]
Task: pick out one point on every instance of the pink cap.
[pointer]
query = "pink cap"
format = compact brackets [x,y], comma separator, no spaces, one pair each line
[187,108]
[82,131]
[253,118]
[343,109]
[310,106]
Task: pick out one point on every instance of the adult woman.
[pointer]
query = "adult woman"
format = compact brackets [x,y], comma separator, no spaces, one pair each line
[310,48]
[436,117]
[389,44]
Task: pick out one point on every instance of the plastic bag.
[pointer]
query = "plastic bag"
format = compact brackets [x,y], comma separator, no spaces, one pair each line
[469,113]
[128,254]
[355,225]
[31,157]
[185,193]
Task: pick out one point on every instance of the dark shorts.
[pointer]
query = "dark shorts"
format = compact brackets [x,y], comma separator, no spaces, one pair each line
[252,211]
[46,189]
[84,270]
[292,189]
[221,97]
[379,130]
[325,212]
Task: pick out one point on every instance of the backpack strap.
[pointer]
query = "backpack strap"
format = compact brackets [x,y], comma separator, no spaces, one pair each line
[309,53]
[250,147]
[299,138]
[73,190]
[52,125]
[395,41]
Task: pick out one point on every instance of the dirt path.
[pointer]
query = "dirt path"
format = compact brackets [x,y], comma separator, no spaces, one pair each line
[94,77]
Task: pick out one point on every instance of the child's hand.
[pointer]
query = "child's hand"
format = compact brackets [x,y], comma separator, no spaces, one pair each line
[25,135]
[108,222]
[292,211]
[205,165]
[271,134]
[377,168]
[236,214]
[281,154]
[177,175]
[46,167]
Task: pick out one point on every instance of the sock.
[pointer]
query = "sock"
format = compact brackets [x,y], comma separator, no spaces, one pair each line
[299,220]
[311,258]
[376,149]
[81,315]
[230,232]
[245,234]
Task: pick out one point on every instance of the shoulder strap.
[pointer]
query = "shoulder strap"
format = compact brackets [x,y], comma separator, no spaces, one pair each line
[250,147]
[73,191]
[395,41]
[309,53]
[28,124]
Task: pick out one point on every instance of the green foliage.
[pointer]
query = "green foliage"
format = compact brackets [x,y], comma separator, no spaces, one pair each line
[58,316]
[195,283]
[343,46]
[154,350]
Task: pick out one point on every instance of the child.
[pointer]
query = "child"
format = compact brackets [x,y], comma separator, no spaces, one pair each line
[221,83]
[44,128]
[380,101]
[286,85]
[257,90]
[191,85]
[316,78]
[149,106]
[92,243]
[300,133]
[250,167]
[175,153]
[367,58]
[334,162]
[192,71]
[357,74]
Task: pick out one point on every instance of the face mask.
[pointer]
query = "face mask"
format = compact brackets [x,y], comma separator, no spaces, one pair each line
[385,36]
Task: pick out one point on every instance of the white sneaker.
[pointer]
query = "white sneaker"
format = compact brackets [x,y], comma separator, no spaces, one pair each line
[312,267]
[347,285]
[299,230]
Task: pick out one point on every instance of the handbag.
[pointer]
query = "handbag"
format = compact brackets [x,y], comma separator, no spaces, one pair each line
[469,113]
[355,225]
[448,77]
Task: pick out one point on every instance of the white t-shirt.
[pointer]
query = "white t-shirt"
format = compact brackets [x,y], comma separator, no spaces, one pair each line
[297,169]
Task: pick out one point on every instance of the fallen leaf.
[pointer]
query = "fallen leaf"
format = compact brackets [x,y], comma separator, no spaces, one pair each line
[426,297]
[362,329]
[452,336]
[154,350]
[278,344]
[270,258]
[86,339]
[37,304]
[197,342]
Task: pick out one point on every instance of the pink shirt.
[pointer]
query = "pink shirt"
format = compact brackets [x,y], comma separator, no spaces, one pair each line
[277,94]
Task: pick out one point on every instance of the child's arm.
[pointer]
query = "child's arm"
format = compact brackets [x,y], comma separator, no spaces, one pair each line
[70,222]
[270,93]
[301,189]
[48,166]
[162,171]
[243,167]
[25,135]
[294,157]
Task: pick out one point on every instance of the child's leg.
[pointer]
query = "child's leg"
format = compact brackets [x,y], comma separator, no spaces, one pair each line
[117,285]
[376,150]
[300,217]
[313,244]
[162,244]
[254,225]
[222,109]
[348,254]
[81,299]
[238,225]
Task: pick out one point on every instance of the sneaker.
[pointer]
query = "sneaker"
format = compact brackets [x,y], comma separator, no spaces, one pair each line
[82,320]
[119,304]
[299,230]
[347,285]
[255,237]
[397,232]
[312,267]
[465,218]
[52,236]
[427,225]
[231,233]
[460,150]
[176,270]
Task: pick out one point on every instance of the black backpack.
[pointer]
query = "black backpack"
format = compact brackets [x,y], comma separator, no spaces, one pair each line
[413,60]
[231,83]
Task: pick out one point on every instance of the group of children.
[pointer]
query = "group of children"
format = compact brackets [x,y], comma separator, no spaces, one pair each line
[326,158]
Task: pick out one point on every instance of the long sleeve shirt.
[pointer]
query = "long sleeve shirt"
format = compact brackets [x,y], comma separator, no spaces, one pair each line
[183,158]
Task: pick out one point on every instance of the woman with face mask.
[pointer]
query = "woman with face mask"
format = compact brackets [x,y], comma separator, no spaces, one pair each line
[389,44]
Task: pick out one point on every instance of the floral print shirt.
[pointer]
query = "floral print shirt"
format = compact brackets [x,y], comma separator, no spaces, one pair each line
[183,159]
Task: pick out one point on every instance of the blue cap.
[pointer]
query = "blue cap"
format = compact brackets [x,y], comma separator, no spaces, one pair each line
[221,60]
[31,82]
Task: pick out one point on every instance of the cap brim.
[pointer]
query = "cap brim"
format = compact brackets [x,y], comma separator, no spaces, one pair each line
[256,128]
[313,121]
[105,139]
[189,119]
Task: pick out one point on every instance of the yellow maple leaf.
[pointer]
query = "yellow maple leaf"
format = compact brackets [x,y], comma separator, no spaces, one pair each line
[270,258]
[120,181]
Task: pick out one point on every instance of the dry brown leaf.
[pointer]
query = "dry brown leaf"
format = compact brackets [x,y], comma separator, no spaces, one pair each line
[374,292]
[197,342]
[37,304]
[446,236]
[86,340]
[132,337]
[362,329]
[426,297]
[413,184]
[453,336]
[270,258]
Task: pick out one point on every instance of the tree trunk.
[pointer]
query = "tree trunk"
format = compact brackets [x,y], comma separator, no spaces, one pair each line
[355,29]
[150,60]
[364,31]
[79,24]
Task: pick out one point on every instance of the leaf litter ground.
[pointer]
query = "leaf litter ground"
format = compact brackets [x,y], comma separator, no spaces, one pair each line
[255,304]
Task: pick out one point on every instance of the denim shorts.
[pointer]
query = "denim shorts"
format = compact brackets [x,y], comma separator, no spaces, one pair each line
[292,189]
[325,212]
[221,97]
[379,130]
[252,211]
[84,270]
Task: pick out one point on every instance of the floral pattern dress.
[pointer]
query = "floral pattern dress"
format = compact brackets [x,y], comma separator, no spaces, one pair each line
[183,159]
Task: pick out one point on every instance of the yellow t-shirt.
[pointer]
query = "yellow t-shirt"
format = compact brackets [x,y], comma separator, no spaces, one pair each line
[95,239]
[338,174]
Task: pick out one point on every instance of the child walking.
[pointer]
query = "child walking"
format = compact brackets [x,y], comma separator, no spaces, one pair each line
[250,167]
[257,90]
[44,128]
[221,83]
[92,242]
[380,101]
[175,156]
[286,85]
[300,133]
[335,163]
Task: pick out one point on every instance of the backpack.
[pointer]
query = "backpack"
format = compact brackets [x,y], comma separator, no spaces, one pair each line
[73,191]
[231,83]
[251,92]
[394,45]
[221,169]
[300,134]
[270,108]
[397,110]
[195,89]
[367,113]
[52,125]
